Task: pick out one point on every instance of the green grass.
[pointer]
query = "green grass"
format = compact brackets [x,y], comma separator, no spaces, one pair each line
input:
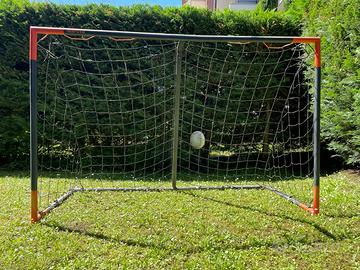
[246,229]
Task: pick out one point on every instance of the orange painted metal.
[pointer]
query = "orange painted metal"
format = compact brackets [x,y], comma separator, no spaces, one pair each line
[33,45]
[34,207]
[314,40]
[305,207]
[317,54]
[47,30]
[306,40]
[316,203]
[34,32]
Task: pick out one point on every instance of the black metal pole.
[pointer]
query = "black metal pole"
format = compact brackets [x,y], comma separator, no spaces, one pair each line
[316,184]
[176,116]
[33,126]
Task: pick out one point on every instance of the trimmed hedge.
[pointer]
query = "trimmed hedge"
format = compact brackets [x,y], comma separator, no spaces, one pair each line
[17,16]
[338,24]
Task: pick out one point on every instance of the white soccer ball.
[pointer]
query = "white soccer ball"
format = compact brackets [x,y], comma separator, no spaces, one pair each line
[197,140]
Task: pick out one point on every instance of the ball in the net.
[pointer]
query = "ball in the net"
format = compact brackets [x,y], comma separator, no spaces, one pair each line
[197,139]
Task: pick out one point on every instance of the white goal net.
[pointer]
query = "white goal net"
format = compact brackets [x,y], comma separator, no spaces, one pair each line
[119,112]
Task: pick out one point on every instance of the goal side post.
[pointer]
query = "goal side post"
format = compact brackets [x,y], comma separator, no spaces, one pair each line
[33,126]
[314,210]
[317,89]
[33,55]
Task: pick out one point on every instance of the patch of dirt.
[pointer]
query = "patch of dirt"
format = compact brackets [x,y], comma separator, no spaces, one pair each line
[353,175]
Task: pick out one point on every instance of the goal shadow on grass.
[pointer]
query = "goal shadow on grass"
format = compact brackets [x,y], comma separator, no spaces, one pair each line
[159,246]
[101,236]
[282,216]
[196,249]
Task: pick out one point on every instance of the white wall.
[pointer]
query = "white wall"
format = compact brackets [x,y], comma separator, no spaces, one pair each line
[236,4]
[242,6]
[197,3]
[222,4]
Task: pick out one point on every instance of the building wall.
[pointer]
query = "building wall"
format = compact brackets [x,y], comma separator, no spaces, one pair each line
[199,3]
[223,4]
[242,5]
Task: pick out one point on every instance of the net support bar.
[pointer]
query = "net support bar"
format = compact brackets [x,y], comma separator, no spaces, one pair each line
[176,120]
[289,198]
[57,203]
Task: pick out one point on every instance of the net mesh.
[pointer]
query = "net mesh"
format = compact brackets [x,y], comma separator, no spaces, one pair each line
[106,115]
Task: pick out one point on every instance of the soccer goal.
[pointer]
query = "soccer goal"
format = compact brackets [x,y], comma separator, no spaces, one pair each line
[114,111]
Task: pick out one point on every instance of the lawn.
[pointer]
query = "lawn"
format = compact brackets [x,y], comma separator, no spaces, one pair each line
[244,229]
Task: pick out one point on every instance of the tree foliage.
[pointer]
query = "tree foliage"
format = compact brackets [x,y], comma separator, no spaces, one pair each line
[337,22]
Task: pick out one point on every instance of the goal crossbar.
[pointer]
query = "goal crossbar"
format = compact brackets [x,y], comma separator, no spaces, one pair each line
[36,30]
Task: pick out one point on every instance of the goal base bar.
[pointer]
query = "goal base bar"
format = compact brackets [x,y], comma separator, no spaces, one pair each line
[68,194]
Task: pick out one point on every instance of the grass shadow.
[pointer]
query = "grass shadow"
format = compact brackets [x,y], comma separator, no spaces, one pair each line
[319,228]
[153,244]
[163,247]
[350,215]
[101,236]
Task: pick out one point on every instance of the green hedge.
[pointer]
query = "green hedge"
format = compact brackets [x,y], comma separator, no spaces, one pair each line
[17,16]
[338,24]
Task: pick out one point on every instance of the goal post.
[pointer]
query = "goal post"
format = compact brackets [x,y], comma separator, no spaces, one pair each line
[114,111]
